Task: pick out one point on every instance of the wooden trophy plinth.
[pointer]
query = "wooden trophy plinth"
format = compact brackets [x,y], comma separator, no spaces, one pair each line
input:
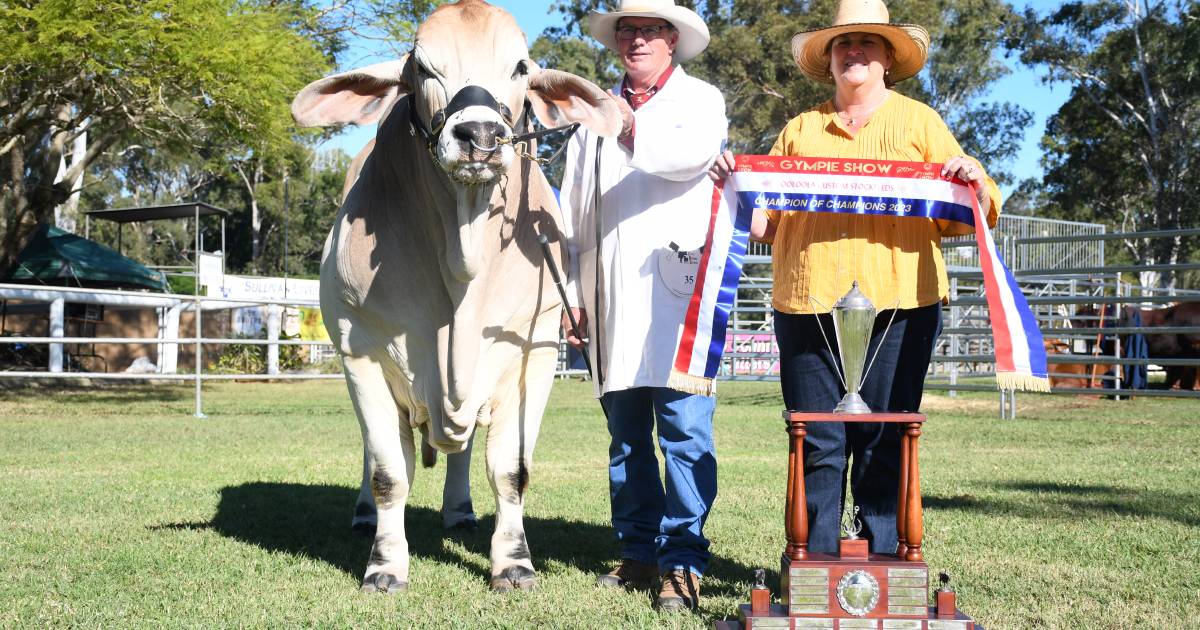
[855,589]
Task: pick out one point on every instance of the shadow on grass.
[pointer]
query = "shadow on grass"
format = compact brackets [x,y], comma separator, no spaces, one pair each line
[1070,501]
[314,521]
[118,393]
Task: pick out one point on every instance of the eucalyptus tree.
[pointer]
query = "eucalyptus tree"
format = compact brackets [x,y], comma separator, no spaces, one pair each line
[1123,149]
[749,59]
[158,75]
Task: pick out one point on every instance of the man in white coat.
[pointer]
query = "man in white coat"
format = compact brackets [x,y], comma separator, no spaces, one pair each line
[631,293]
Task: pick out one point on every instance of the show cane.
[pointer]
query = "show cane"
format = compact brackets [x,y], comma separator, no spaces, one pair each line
[562,293]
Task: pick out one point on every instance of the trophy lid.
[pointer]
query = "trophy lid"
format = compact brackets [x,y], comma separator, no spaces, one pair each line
[854,300]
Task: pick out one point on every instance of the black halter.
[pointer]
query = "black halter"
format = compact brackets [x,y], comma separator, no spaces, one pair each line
[474,95]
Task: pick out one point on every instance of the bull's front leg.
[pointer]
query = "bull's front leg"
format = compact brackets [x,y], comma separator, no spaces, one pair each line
[457,511]
[389,444]
[510,441]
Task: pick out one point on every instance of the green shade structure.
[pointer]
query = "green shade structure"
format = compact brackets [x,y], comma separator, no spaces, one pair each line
[60,258]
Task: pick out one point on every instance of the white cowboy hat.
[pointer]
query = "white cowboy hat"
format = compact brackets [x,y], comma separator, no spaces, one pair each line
[910,42]
[693,32]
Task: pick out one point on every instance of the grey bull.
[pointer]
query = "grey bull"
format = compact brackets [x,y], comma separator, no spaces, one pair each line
[433,286]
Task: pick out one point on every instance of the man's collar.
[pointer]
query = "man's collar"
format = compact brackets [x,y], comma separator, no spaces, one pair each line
[658,85]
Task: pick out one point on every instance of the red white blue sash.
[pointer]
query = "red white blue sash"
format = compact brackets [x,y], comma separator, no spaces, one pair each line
[868,187]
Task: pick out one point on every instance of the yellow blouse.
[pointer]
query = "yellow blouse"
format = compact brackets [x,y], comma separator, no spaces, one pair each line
[819,255]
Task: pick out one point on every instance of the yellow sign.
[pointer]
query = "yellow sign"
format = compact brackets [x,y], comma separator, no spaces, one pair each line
[312,327]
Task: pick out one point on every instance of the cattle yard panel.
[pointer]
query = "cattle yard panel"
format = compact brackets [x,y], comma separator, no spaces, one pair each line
[1060,266]
[963,353]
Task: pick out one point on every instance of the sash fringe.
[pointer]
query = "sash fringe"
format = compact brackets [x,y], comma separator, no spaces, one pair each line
[1023,382]
[692,384]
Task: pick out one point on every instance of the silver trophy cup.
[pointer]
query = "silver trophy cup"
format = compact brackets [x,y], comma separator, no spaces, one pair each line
[853,319]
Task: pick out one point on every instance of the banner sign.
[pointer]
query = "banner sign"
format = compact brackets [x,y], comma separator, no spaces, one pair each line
[845,186]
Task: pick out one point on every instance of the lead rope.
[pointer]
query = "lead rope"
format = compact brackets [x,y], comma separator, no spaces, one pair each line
[598,316]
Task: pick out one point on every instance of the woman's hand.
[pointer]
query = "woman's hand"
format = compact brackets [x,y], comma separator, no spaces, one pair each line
[971,171]
[721,167]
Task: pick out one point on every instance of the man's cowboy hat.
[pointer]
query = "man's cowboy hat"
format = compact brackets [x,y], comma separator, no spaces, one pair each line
[910,43]
[693,32]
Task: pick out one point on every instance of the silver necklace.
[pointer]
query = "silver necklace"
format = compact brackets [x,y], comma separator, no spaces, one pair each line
[862,116]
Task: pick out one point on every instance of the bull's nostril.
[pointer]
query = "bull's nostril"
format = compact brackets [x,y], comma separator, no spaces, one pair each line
[478,133]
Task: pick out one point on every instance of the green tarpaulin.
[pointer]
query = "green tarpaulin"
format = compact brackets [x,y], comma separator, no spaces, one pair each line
[61,258]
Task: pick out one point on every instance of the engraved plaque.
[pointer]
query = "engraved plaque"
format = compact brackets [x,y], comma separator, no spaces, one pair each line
[947,625]
[894,592]
[823,580]
[901,624]
[772,622]
[894,581]
[912,611]
[893,572]
[858,624]
[809,609]
[813,624]
[798,571]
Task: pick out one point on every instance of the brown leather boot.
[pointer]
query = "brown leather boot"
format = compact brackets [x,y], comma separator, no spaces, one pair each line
[680,591]
[629,574]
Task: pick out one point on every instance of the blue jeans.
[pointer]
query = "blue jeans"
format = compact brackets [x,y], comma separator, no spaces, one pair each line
[895,383]
[656,524]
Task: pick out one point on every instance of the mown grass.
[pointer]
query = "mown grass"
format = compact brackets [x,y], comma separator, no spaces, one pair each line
[121,510]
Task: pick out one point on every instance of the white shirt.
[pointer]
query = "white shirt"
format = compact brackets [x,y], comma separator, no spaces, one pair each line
[654,197]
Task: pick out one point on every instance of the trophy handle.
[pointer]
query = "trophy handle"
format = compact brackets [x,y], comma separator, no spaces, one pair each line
[878,347]
[837,368]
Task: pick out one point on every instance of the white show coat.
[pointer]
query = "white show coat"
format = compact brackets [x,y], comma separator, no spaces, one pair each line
[655,196]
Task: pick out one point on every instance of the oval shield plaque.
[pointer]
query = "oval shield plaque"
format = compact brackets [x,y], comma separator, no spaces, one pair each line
[858,592]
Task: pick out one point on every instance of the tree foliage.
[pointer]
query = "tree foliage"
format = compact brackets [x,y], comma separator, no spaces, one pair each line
[749,59]
[176,77]
[1123,149]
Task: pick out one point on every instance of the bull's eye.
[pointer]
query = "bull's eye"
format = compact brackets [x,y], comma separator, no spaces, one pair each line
[521,70]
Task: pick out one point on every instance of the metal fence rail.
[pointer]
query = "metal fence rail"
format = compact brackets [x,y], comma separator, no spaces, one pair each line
[1059,264]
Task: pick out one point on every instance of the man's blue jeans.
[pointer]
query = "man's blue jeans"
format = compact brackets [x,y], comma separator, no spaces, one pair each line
[658,524]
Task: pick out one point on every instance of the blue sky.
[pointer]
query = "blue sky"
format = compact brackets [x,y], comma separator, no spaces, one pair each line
[1022,86]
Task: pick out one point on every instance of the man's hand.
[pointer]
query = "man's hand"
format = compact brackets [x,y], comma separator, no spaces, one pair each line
[626,116]
[721,167]
[580,317]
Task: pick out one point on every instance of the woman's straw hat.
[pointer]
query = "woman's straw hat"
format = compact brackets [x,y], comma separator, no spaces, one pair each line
[693,32]
[910,43]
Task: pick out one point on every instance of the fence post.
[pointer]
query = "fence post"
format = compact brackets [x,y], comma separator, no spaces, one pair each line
[168,361]
[199,358]
[57,309]
[955,318]
[274,315]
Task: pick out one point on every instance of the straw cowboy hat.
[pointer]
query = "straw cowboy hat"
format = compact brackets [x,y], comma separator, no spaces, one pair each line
[910,43]
[693,32]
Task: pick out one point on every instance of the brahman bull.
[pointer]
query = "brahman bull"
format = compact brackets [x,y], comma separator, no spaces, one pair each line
[433,287]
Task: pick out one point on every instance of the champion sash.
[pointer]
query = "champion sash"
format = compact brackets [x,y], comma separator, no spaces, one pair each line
[867,187]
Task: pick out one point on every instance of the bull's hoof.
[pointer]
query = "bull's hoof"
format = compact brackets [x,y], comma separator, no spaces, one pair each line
[383,583]
[468,524]
[518,577]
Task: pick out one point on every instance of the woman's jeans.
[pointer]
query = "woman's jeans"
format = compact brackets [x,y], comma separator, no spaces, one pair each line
[895,383]
[659,524]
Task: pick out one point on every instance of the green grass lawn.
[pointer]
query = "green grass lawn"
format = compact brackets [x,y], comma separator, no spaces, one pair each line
[119,509]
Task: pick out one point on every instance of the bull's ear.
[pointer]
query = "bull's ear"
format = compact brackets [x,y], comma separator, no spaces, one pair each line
[561,98]
[359,97]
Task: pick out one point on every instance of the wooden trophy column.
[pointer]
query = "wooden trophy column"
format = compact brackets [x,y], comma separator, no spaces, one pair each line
[854,588]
